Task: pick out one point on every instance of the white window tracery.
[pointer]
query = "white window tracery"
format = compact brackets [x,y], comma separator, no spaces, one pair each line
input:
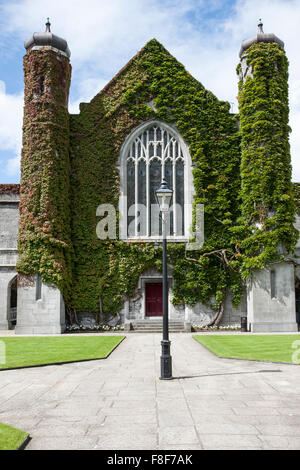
[152,152]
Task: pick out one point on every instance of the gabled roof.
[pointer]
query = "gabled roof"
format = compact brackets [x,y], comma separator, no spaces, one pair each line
[152,43]
[153,46]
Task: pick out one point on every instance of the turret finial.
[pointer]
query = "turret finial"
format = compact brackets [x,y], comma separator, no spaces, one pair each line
[47,38]
[48,24]
[260,37]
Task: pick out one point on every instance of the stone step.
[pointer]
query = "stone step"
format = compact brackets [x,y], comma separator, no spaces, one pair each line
[146,322]
[149,327]
[156,331]
[156,326]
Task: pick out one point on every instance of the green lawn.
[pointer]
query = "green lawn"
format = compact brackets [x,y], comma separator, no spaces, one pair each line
[275,348]
[11,438]
[39,350]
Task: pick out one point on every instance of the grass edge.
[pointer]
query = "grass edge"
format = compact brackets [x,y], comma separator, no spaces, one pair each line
[242,358]
[65,362]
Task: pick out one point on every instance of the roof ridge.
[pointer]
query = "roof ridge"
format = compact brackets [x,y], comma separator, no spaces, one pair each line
[139,53]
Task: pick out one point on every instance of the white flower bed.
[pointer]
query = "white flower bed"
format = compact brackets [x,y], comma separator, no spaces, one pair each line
[216,328]
[77,328]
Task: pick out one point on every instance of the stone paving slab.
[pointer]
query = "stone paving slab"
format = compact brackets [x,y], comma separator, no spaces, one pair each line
[120,403]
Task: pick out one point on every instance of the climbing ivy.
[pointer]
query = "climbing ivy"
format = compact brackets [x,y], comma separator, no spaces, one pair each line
[110,270]
[44,241]
[9,188]
[268,206]
[61,192]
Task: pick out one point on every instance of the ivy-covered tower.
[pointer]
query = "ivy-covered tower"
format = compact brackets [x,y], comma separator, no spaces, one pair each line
[267,201]
[44,232]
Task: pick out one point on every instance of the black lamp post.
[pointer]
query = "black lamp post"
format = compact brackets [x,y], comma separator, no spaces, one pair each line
[164,196]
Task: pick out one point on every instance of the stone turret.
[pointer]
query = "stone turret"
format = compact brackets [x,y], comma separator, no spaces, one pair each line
[267,201]
[44,231]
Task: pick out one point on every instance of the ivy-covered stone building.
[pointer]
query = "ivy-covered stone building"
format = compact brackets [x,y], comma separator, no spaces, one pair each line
[80,238]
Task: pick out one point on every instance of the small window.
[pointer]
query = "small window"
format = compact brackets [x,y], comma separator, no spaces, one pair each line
[273,284]
[42,85]
[38,292]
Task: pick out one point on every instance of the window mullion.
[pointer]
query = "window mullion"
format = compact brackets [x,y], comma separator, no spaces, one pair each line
[162,155]
[174,199]
[148,205]
[136,189]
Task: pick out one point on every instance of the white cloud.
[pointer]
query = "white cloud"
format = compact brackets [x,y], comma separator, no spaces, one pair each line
[13,167]
[104,34]
[98,30]
[10,127]
[87,88]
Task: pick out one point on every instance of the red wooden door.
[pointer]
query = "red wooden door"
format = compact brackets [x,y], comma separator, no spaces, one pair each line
[153,299]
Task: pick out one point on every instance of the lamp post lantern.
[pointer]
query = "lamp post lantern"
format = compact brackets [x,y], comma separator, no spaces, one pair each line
[164,196]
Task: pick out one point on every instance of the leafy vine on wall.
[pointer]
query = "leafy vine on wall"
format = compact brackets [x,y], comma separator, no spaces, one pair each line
[268,205]
[240,175]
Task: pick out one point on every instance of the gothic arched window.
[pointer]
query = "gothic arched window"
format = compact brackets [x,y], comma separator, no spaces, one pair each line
[152,152]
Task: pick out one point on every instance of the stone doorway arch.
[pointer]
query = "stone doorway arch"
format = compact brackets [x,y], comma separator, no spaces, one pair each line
[12,304]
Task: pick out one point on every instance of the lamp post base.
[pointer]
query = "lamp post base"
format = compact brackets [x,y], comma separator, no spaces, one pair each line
[165,361]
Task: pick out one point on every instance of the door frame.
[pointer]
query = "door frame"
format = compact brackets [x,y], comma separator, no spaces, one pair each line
[153,316]
[142,285]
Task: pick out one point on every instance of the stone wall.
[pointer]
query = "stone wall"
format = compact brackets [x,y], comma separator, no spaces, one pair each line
[198,315]
[201,314]
[47,314]
[271,299]
[297,226]
[9,220]
[44,315]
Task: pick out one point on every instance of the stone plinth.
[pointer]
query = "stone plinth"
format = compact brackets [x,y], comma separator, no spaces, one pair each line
[39,311]
[271,299]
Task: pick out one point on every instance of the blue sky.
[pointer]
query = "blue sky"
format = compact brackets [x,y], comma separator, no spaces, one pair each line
[205,35]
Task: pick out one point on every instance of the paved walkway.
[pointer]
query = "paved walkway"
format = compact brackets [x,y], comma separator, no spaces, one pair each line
[120,403]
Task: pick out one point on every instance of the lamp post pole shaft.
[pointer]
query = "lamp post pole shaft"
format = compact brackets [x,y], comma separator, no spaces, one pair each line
[165,286]
[166,359]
